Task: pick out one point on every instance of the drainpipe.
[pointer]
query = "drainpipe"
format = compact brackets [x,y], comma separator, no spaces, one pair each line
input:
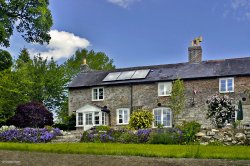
[131,98]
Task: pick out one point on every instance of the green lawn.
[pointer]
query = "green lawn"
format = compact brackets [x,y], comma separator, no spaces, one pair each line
[148,150]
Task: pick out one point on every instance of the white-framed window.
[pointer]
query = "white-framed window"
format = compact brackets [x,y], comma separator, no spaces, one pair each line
[79,119]
[88,118]
[226,85]
[97,94]
[97,118]
[164,88]
[104,118]
[123,115]
[162,117]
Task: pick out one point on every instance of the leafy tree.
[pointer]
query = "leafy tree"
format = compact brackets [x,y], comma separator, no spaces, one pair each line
[220,110]
[49,82]
[23,58]
[95,60]
[32,80]
[5,60]
[14,90]
[32,18]
[39,80]
[141,119]
[177,99]
[32,114]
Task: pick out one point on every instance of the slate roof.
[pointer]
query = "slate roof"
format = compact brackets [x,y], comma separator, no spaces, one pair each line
[169,72]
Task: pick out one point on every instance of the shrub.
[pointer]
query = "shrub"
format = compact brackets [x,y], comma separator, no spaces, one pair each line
[30,135]
[102,128]
[69,123]
[98,135]
[121,135]
[87,137]
[49,128]
[141,119]
[61,126]
[128,137]
[5,128]
[170,136]
[189,129]
[143,135]
[220,110]
[106,138]
[32,114]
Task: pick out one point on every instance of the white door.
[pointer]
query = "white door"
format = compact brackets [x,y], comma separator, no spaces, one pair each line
[88,120]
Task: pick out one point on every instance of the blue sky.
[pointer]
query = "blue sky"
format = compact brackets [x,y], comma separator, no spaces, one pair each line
[146,32]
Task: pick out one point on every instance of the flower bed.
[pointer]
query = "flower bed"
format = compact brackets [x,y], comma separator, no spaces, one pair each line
[121,136]
[30,135]
[182,134]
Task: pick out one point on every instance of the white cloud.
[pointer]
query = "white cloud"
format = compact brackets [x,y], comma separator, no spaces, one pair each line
[62,45]
[123,3]
[240,9]
[236,4]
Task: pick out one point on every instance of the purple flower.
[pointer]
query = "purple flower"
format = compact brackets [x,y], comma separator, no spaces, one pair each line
[31,135]
[143,135]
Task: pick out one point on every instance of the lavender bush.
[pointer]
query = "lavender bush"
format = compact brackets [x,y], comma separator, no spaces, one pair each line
[166,136]
[220,110]
[143,135]
[121,136]
[30,135]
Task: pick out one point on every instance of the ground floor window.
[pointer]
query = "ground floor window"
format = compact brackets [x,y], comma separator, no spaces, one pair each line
[122,115]
[80,119]
[91,118]
[163,117]
[88,118]
[104,118]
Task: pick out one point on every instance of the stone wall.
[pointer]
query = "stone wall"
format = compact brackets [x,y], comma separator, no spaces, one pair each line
[225,136]
[146,96]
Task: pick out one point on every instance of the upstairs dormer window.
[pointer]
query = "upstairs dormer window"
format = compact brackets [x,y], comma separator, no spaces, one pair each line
[164,88]
[226,85]
[97,94]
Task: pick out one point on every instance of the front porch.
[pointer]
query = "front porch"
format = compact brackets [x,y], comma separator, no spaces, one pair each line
[89,116]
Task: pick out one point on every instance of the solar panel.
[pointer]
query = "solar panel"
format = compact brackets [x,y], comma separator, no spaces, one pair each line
[126,75]
[112,76]
[140,74]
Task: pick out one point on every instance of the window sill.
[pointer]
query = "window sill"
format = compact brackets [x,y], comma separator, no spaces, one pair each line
[79,126]
[98,100]
[162,127]
[120,124]
[226,91]
[163,95]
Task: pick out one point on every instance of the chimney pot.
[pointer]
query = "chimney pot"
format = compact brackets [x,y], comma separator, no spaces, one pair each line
[195,51]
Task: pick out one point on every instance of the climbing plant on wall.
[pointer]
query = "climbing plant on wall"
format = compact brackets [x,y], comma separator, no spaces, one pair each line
[177,99]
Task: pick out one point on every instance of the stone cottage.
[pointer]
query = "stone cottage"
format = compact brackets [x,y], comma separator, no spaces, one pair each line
[109,97]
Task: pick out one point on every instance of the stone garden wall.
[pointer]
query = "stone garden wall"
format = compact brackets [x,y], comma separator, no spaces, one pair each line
[226,136]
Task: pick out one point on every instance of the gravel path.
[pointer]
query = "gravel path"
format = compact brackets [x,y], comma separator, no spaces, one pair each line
[52,159]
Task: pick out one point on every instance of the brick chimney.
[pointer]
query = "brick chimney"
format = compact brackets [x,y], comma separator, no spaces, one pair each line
[195,51]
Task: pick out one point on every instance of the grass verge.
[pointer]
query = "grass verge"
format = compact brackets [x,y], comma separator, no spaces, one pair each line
[147,150]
